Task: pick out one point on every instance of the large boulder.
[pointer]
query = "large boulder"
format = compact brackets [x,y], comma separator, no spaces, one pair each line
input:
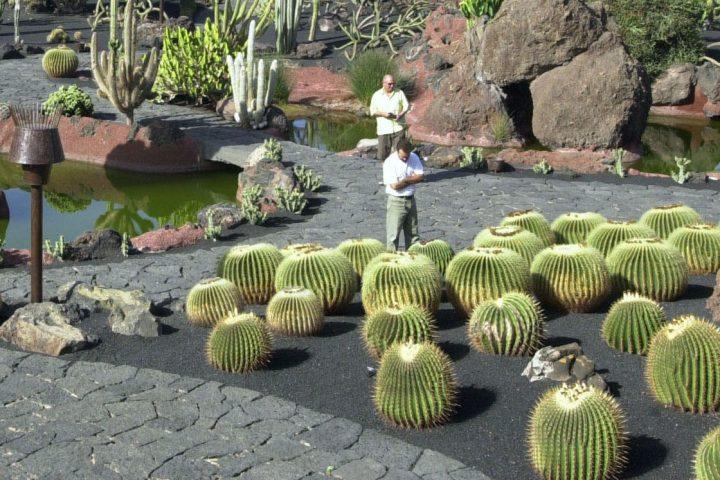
[600,99]
[269,174]
[674,86]
[168,238]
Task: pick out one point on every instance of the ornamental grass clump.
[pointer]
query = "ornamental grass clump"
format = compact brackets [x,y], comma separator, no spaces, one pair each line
[532,221]
[577,432]
[573,277]
[366,72]
[514,237]
[575,227]
[295,311]
[650,267]
[397,324]
[360,251]
[252,269]
[608,235]
[699,244]
[707,457]
[477,274]
[665,219]
[439,251]
[401,279]
[683,365]
[211,300]
[509,325]
[240,343]
[415,386]
[631,323]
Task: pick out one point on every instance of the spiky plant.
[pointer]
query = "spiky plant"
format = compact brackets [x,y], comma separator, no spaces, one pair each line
[707,457]
[575,227]
[60,62]
[577,432]
[683,365]
[295,311]
[509,325]
[571,277]
[211,300]
[360,251]
[415,386]
[532,221]
[439,251]
[240,343]
[327,272]
[650,267]
[631,323]
[299,247]
[477,274]
[665,219]
[514,237]
[606,236]
[252,269]
[397,324]
[401,279]
[699,244]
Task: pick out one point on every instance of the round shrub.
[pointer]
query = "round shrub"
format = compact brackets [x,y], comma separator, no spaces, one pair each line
[577,432]
[707,457]
[683,365]
[571,277]
[631,323]
[699,244]
[327,272]
[252,269]
[211,300]
[606,236]
[415,386]
[665,219]
[392,325]
[532,221]
[60,62]
[239,343]
[401,279]
[575,227]
[514,237]
[360,251]
[477,274]
[439,251]
[650,267]
[295,311]
[70,100]
[509,325]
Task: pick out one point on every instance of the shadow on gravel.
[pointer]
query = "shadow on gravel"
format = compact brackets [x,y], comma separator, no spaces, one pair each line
[645,454]
[695,292]
[456,351]
[333,329]
[166,329]
[448,319]
[287,358]
[557,341]
[472,401]
[447,175]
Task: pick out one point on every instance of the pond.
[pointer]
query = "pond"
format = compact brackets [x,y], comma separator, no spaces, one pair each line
[330,132]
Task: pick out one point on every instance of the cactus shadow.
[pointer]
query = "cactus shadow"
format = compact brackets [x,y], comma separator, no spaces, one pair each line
[284,358]
[472,401]
[557,341]
[696,292]
[645,453]
[448,319]
[334,329]
[456,351]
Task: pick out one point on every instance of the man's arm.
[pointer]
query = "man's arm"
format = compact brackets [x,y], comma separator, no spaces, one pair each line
[405,105]
[411,180]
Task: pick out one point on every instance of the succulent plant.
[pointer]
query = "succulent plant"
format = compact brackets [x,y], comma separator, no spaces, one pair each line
[299,247]
[509,325]
[514,237]
[360,251]
[211,300]
[707,457]
[477,274]
[665,219]
[327,272]
[401,279]
[683,365]
[391,325]
[295,311]
[252,269]
[650,267]
[60,62]
[415,386]
[699,244]
[606,236]
[577,432]
[532,221]
[575,227]
[439,251]
[239,343]
[631,323]
[571,277]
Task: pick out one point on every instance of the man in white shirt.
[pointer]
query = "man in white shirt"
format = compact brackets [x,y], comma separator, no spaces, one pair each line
[389,106]
[401,171]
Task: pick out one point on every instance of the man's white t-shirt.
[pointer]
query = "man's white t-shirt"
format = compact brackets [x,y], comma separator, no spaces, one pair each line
[395,170]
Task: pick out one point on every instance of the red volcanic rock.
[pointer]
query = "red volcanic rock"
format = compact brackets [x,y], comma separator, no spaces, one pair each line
[14,256]
[322,88]
[576,161]
[713,303]
[443,27]
[167,238]
[637,173]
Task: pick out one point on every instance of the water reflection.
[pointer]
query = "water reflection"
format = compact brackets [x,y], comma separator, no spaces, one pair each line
[334,133]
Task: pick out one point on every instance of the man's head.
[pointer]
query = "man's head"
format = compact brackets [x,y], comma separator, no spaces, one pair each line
[388,83]
[403,149]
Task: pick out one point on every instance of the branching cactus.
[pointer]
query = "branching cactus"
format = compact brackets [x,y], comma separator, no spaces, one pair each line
[287,19]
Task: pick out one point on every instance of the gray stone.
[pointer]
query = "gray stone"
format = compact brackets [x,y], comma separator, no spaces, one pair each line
[333,435]
[674,86]
[313,50]
[95,245]
[9,51]
[445,157]
[225,215]
[387,450]
[434,462]
[582,368]
[708,77]
[364,469]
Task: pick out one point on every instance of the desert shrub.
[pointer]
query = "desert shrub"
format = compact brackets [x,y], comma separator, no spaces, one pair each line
[366,72]
[474,9]
[70,100]
[283,85]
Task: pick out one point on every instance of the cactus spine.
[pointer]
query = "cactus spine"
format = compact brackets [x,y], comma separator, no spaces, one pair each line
[439,251]
[532,221]
[287,19]
[360,251]
[252,269]
[391,325]
[631,323]
[514,237]
[699,244]
[295,311]
[608,235]
[60,62]
[665,219]
[211,300]
[707,457]
[240,343]
[575,227]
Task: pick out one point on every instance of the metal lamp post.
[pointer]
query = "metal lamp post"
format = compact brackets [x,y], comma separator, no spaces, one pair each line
[36,146]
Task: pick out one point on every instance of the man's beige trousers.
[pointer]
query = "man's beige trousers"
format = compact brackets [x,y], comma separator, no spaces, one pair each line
[401,216]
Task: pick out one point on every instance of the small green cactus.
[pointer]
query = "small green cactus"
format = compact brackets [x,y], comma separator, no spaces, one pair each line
[608,235]
[439,251]
[252,269]
[699,244]
[631,323]
[707,457]
[665,219]
[273,149]
[57,35]
[211,300]
[514,237]
[292,200]
[307,179]
[391,325]
[360,251]
[295,311]
[532,221]
[240,343]
[60,62]
[575,227]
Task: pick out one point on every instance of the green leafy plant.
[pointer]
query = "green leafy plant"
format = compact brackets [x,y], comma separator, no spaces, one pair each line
[212,300]
[542,167]
[273,149]
[251,205]
[474,9]
[631,323]
[56,249]
[360,251]
[514,237]
[575,227]
[239,343]
[501,126]
[439,251]
[231,20]
[366,72]
[212,231]
[666,218]
[292,200]
[699,244]
[532,221]
[307,179]
[472,157]
[707,456]
[618,156]
[252,269]
[70,100]
[392,325]
[295,311]
[681,175]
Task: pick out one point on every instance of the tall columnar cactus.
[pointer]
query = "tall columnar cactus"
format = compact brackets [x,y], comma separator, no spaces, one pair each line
[252,91]
[360,251]
[707,457]
[392,325]
[295,311]
[509,325]
[699,244]
[211,300]
[477,274]
[532,221]
[650,267]
[415,386]
[240,343]
[401,279]
[252,269]
[123,78]
[577,433]
[631,323]
[665,219]
[608,235]
[575,227]
[439,251]
[514,237]
[683,365]
[287,19]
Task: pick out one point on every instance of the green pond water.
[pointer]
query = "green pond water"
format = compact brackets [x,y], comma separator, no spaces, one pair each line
[335,133]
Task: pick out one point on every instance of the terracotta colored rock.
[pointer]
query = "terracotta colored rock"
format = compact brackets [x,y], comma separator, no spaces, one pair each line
[322,88]
[674,86]
[168,238]
[713,303]
[637,173]
[711,109]
[15,256]
[576,161]
[443,27]
[694,109]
